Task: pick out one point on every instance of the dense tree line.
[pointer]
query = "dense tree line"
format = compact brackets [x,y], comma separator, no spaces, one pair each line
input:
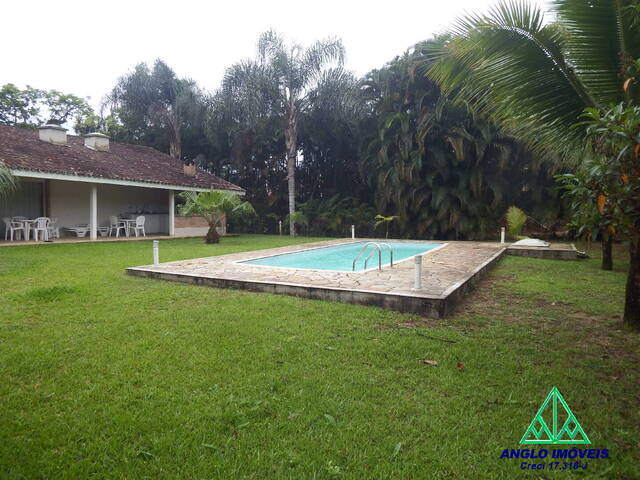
[293,124]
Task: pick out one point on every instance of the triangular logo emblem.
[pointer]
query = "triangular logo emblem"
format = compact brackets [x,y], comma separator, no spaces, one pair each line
[555,423]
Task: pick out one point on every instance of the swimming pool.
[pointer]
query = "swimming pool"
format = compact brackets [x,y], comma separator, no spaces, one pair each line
[340,257]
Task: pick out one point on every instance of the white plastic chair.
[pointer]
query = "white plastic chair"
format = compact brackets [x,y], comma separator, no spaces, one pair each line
[117,225]
[41,225]
[53,231]
[80,230]
[139,226]
[10,227]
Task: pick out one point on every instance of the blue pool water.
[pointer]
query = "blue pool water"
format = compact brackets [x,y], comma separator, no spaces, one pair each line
[340,257]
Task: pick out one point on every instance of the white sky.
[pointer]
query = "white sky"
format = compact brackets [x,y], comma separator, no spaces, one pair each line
[82,47]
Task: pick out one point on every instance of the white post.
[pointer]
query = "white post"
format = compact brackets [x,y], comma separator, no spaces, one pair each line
[417,282]
[172,213]
[502,234]
[280,226]
[353,231]
[156,252]
[93,211]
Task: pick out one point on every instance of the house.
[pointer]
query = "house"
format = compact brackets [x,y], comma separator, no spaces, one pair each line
[86,180]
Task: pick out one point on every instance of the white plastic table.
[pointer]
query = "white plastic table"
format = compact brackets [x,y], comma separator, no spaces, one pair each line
[26,227]
[128,224]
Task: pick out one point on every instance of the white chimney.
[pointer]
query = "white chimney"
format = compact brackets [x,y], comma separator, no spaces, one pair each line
[53,134]
[97,141]
[190,169]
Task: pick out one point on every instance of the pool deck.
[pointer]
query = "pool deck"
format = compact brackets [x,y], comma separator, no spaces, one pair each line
[555,251]
[448,273]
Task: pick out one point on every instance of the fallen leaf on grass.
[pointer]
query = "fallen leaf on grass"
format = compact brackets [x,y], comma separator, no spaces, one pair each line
[433,363]
[396,450]
[460,366]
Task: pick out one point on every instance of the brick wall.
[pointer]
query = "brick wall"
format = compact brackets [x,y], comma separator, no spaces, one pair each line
[195,225]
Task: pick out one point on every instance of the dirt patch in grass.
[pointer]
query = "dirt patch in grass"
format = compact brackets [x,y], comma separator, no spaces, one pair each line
[419,322]
[590,334]
[490,299]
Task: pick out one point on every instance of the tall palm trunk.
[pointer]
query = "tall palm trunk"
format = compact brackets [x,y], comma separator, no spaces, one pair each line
[291,141]
[632,295]
[175,137]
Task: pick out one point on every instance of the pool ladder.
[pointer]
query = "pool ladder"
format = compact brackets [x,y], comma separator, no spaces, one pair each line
[377,247]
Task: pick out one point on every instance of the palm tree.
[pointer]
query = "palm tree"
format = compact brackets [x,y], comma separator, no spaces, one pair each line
[158,100]
[7,181]
[212,205]
[280,82]
[386,221]
[535,78]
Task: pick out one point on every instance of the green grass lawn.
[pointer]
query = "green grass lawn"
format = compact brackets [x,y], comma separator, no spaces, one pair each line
[110,376]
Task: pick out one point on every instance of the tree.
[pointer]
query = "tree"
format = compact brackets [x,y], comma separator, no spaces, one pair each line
[19,107]
[334,216]
[32,107]
[614,176]
[248,153]
[444,170]
[280,82]
[64,107]
[156,106]
[212,205]
[328,135]
[536,79]
[591,216]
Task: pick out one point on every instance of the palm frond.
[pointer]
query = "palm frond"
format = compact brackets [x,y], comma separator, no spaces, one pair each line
[600,39]
[511,65]
[270,44]
[516,219]
[8,183]
[320,55]
[212,203]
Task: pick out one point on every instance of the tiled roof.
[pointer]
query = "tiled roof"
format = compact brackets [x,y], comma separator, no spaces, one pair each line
[21,149]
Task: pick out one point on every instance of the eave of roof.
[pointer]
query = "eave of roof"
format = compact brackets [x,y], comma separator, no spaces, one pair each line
[124,164]
[110,181]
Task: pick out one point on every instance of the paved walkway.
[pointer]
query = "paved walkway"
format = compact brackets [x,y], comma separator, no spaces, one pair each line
[19,243]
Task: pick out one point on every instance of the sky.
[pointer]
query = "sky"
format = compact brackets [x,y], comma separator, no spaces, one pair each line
[83,47]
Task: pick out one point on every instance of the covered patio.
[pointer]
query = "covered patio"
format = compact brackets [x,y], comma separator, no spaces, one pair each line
[92,188]
[74,202]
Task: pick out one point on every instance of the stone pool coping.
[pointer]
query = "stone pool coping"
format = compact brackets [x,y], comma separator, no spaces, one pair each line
[555,251]
[449,274]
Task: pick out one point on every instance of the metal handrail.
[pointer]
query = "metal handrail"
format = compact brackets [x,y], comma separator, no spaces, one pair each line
[364,247]
[383,244]
[366,260]
[377,247]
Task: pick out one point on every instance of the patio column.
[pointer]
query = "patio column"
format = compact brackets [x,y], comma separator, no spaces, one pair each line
[93,211]
[172,213]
